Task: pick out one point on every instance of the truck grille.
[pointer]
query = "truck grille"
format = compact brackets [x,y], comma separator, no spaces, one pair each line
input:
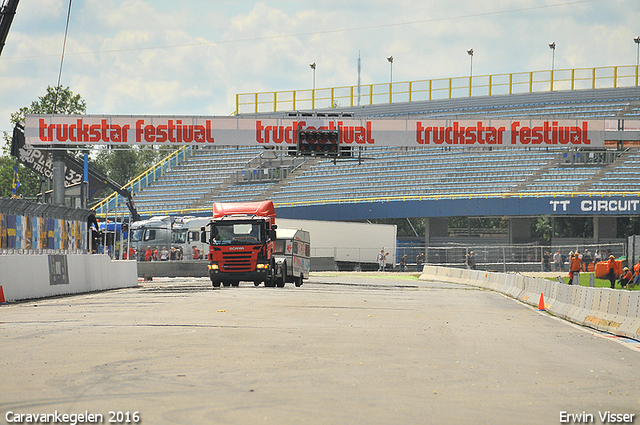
[237,262]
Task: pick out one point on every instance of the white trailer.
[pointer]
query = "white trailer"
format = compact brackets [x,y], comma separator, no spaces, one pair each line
[293,250]
[351,245]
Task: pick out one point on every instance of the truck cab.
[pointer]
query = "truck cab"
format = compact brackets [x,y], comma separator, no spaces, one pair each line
[241,238]
[154,232]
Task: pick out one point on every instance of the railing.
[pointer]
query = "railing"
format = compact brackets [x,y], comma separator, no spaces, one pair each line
[261,170]
[441,88]
[144,179]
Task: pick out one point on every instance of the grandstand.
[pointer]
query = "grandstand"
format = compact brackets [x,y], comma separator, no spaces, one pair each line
[376,173]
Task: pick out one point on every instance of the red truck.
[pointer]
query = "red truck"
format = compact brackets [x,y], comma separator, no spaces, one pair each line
[241,238]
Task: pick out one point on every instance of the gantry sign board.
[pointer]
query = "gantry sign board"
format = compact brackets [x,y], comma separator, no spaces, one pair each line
[236,131]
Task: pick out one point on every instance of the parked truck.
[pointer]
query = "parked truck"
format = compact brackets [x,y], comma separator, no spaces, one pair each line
[242,244]
[169,232]
[154,232]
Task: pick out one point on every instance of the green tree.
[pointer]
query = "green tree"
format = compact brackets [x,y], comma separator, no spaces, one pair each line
[123,165]
[405,226]
[56,100]
[29,181]
[542,228]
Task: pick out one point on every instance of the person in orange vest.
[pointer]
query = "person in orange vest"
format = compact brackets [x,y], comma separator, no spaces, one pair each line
[612,273]
[148,254]
[196,253]
[636,275]
[626,277]
[575,268]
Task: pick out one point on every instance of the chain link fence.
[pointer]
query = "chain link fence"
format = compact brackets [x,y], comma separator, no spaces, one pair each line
[505,257]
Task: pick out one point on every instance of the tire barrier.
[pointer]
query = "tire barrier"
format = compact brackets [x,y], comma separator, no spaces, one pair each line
[610,310]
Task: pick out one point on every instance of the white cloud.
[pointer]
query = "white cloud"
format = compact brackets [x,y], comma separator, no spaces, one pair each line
[193,56]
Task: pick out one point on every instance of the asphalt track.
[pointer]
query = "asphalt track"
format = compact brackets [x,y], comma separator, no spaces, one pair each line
[342,349]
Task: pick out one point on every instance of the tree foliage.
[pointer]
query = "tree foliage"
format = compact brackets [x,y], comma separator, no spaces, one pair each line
[120,165]
[29,181]
[56,100]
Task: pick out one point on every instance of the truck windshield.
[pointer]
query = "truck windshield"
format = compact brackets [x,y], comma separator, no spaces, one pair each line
[236,233]
[179,236]
[136,235]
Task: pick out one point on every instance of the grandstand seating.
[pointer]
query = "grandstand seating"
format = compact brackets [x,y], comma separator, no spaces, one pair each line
[401,172]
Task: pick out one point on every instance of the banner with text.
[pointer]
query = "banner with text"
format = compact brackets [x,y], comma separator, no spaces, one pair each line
[230,131]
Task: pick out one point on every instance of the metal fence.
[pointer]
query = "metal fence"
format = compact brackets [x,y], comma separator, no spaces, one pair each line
[504,257]
[442,88]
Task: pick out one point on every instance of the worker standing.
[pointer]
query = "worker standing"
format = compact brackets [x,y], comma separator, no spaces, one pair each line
[575,269]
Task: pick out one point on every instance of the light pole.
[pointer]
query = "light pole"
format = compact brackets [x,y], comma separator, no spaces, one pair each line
[390,59]
[552,46]
[637,40]
[313,67]
[313,91]
[470,53]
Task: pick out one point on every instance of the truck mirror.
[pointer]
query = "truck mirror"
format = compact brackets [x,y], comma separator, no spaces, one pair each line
[272,235]
[274,227]
[203,235]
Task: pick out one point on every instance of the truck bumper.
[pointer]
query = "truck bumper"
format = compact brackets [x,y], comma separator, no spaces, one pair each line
[254,276]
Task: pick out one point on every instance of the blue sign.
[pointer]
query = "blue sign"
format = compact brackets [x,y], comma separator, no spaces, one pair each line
[464,207]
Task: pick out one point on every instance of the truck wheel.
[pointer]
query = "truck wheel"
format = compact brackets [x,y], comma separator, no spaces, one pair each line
[256,283]
[215,284]
[280,282]
[235,283]
[298,281]
[226,284]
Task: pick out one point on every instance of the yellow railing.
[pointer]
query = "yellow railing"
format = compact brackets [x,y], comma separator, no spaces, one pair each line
[441,88]
[143,180]
[189,211]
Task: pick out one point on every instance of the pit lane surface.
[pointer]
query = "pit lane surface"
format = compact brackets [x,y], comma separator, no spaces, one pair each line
[347,348]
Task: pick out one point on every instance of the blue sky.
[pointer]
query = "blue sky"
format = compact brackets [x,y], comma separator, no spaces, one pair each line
[191,57]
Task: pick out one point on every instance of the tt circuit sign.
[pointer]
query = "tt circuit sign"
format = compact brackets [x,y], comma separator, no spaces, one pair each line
[230,131]
[612,205]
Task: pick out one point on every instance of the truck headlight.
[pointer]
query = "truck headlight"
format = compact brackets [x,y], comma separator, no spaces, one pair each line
[262,266]
[213,266]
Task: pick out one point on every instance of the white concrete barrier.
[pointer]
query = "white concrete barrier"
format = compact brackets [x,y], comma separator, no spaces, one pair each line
[605,309]
[25,277]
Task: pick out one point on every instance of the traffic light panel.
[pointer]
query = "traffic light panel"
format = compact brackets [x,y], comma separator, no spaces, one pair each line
[319,142]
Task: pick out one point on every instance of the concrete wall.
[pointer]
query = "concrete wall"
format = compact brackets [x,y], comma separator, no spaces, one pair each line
[37,276]
[605,309]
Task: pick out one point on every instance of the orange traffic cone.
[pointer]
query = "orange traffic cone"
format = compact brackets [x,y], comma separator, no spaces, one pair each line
[541,302]
[2,300]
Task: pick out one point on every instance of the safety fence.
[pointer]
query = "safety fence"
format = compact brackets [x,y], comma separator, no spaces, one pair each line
[440,88]
[605,309]
[506,257]
[34,228]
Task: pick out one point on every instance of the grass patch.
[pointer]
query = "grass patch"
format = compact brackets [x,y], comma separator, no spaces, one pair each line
[600,283]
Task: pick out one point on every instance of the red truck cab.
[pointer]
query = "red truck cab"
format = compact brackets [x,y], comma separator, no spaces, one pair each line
[242,243]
